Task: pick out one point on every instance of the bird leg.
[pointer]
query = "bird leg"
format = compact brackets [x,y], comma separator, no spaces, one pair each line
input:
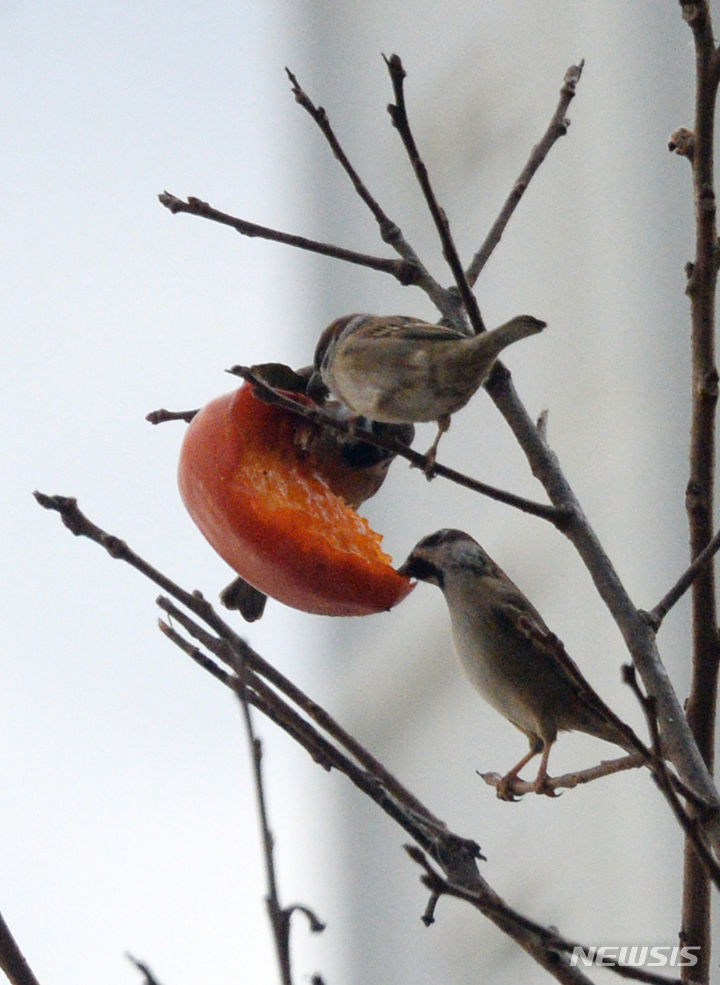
[443,424]
[541,780]
[504,785]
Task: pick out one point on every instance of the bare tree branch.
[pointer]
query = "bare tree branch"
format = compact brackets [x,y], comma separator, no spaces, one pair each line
[446,848]
[150,978]
[390,232]
[161,416]
[402,270]
[326,750]
[12,960]
[440,886]
[701,704]
[567,781]
[399,117]
[688,822]
[557,128]
[674,594]
[656,761]
[232,648]
[542,943]
[280,916]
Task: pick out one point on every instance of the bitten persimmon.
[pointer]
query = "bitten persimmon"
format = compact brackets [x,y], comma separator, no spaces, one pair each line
[254,486]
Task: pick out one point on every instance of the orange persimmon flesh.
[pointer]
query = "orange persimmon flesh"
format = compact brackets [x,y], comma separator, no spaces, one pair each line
[267,510]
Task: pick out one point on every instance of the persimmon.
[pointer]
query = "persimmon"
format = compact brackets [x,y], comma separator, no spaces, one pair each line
[263,497]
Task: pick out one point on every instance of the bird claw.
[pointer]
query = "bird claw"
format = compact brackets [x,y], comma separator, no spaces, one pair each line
[504,786]
[511,788]
[542,786]
[429,466]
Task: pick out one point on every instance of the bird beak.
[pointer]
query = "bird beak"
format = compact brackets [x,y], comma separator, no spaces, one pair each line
[407,568]
[421,570]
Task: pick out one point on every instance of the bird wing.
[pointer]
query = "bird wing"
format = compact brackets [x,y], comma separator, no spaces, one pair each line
[528,623]
[413,330]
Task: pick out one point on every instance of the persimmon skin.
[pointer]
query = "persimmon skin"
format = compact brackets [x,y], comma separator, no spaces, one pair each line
[267,510]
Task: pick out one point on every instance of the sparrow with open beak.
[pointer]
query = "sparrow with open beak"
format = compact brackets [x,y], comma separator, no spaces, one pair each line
[399,369]
[353,469]
[510,655]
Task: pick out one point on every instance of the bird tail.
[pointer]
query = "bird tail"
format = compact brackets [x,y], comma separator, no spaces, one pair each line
[617,732]
[603,723]
[487,346]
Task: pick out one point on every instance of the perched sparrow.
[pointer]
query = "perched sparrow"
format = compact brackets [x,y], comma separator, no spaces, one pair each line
[399,369]
[353,469]
[509,654]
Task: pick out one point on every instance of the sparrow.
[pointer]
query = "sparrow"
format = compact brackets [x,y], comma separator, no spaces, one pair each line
[399,369]
[511,657]
[353,469]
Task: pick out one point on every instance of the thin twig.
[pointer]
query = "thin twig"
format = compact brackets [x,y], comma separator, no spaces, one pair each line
[161,416]
[279,915]
[389,230]
[557,128]
[567,781]
[432,835]
[658,612]
[194,652]
[271,395]
[236,653]
[608,767]
[552,942]
[399,117]
[150,978]
[708,865]
[406,273]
